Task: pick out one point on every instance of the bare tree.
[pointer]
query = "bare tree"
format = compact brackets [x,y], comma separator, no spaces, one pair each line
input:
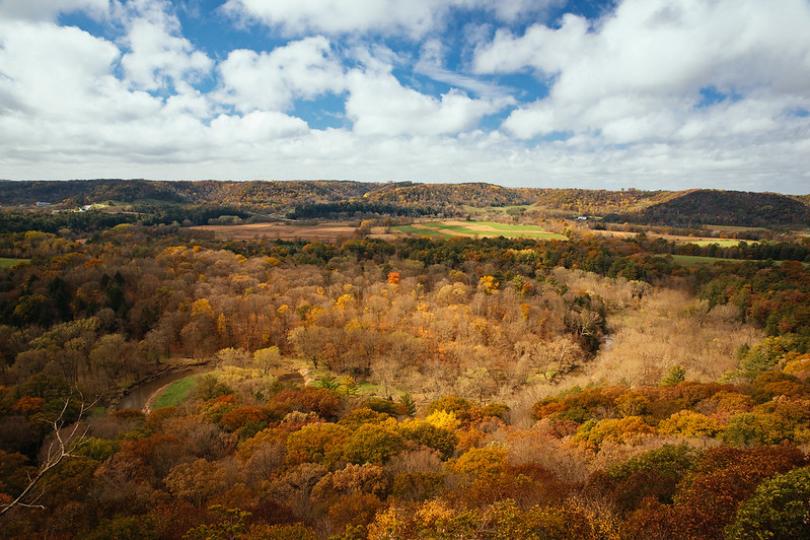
[61,447]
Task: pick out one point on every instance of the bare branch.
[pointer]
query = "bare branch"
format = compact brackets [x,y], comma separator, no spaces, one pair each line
[58,450]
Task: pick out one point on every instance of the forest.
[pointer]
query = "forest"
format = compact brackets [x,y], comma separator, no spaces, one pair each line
[155,201]
[425,388]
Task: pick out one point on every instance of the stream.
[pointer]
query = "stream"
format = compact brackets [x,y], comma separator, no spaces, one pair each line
[140,394]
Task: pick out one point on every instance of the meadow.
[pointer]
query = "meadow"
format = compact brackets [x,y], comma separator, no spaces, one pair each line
[477,229]
[174,393]
[339,230]
[6,262]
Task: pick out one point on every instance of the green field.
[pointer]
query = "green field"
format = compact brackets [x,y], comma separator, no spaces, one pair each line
[11,263]
[477,229]
[722,242]
[695,260]
[176,393]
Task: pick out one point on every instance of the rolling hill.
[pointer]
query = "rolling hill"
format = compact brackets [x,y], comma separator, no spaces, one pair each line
[701,207]
[320,198]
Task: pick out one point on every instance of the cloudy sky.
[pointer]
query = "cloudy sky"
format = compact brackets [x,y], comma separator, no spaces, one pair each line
[586,93]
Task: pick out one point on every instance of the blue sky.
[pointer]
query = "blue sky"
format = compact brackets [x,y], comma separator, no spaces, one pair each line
[605,94]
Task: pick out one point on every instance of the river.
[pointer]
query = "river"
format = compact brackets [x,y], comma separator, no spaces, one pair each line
[140,394]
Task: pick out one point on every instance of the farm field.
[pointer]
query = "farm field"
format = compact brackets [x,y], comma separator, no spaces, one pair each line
[338,230]
[696,260]
[334,230]
[11,263]
[680,239]
[478,229]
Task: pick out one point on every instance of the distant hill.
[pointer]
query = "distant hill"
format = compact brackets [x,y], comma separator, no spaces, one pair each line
[259,195]
[597,202]
[450,195]
[326,198]
[699,207]
[263,195]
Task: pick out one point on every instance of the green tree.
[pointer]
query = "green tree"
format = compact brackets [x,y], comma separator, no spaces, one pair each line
[779,510]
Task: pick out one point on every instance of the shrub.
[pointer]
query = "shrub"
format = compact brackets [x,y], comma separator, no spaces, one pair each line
[452,404]
[675,375]
[748,429]
[622,430]
[653,474]
[372,443]
[689,424]
[98,449]
[362,415]
[415,486]
[479,462]
[366,478]
[385,406]
[317,443]
[325,403]
[443,420]
[297,531]
[722,478]
[780,508]
[494,410]
[439,439]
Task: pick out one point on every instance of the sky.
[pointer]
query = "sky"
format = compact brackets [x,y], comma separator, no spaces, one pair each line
[647,94]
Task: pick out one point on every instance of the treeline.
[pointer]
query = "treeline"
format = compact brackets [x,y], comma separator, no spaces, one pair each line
[754,251]
[356,209]
[11,221]
[99,220]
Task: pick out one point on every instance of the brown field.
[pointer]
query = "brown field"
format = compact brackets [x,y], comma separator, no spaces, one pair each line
[699,240]
[282,231]
[341,230]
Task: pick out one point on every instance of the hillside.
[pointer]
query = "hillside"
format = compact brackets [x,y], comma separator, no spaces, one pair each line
[272,195]
[337,199]
[449,195]
[699,207]
[597,201]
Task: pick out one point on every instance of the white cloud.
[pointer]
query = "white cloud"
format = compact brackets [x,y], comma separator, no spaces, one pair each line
[513,10]
[379,104]
[158,55]
[45,10]
[413,18]
[63,72]
[256,127]
[626,88]
[61,102]
[431,64]
[271,81]
[637,74]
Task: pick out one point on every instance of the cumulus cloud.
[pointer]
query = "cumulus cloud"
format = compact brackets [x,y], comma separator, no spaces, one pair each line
[272,80]
[61,101]
[639,73]
[378,104]
[158,54]
[413,18]
[654,93]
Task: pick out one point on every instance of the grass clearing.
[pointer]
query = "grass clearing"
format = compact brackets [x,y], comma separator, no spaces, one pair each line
[722,242]
[477,229]
[696,260]
[175,393]
[6,262]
